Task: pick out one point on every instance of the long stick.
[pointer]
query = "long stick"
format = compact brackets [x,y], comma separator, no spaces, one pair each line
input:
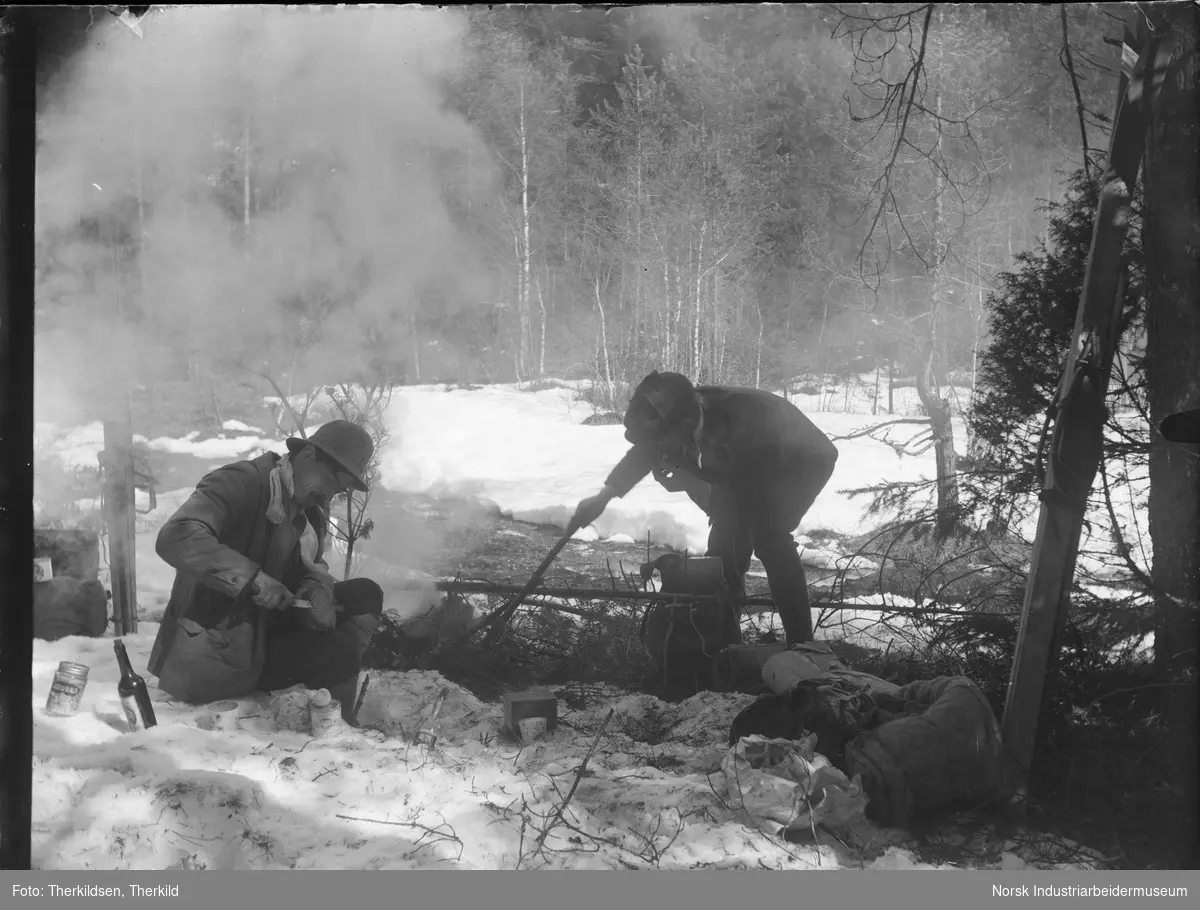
[502,615]
[1077,443]
[362,693]
[558,814]
[490,587]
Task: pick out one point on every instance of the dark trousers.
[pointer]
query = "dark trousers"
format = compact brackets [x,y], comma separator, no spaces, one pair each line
[298,655]
[761,524]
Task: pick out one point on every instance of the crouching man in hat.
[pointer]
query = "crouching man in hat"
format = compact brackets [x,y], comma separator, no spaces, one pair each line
[253,606]
[748,458]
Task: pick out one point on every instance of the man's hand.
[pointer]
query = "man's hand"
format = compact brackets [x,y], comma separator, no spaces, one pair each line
[271,594]
[321,615]
[589,510]
[699,491]
[671,481]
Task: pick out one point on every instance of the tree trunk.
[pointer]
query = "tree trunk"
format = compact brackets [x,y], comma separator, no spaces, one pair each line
[1172,239]
[678,347]
[938,409]
[608,382]
[668,353]
[541,372]
[699,305]
[140,188]
[819,361]
[758,358]
[523,284]
[246,180]
[891,386]
[937,405]
[416,344]
[717,356]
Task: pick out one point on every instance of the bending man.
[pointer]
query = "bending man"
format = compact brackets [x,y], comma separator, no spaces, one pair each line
[748,458]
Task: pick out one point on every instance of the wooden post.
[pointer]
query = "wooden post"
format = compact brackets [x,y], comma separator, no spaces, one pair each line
[119,518]
[18,62]
[1077,442]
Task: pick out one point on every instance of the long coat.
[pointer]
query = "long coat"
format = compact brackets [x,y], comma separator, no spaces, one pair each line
[211,643]
[749,441]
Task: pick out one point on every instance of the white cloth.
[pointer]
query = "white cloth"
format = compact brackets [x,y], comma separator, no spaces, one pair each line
[283,484]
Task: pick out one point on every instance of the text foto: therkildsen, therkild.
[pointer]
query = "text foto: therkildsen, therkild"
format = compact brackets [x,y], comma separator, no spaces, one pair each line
[96,891]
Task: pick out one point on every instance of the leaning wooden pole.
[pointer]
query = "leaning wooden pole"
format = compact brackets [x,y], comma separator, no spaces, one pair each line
[120,517]
[1079,409]
[566,592]
[18,130]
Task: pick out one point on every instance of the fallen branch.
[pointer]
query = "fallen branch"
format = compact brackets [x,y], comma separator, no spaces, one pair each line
[487,587]
[427,832]
[918,445]
[569,593]
[558,813]
[867,431]
[651,851]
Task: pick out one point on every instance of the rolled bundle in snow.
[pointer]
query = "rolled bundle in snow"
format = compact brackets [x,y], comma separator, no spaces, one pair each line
[291,709]
[943,749]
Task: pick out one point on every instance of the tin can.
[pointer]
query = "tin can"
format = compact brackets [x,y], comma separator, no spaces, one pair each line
[43,569]
[532,728]
[70,679]
[326,720]
[226,716]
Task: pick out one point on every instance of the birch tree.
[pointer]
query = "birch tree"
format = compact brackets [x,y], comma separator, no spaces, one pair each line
[921,99]
[522,97]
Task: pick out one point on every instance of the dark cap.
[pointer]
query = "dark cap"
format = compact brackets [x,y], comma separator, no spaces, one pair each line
[662,403]
[348,444]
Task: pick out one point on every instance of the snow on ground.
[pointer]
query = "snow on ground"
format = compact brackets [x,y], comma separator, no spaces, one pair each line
[237,425]
[269,798]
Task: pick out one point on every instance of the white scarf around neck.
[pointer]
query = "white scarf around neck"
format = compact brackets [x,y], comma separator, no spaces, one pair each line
[283,484]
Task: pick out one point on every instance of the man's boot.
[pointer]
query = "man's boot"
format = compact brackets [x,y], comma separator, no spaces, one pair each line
[347,694]
[359,628]
[360,618]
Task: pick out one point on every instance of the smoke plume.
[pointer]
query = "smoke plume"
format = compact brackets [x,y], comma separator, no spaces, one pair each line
[242,184]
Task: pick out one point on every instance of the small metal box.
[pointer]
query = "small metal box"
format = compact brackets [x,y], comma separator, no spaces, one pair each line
[530,703]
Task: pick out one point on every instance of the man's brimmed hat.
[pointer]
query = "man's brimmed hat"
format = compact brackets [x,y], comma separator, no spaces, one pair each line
[348,444]
[1182,427]
[661,401]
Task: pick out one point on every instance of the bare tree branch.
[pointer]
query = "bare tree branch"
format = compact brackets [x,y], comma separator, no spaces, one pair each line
[282,397]
[1069,63]
[903,92]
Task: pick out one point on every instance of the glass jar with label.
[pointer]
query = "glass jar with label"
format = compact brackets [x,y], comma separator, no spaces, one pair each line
[70,679]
